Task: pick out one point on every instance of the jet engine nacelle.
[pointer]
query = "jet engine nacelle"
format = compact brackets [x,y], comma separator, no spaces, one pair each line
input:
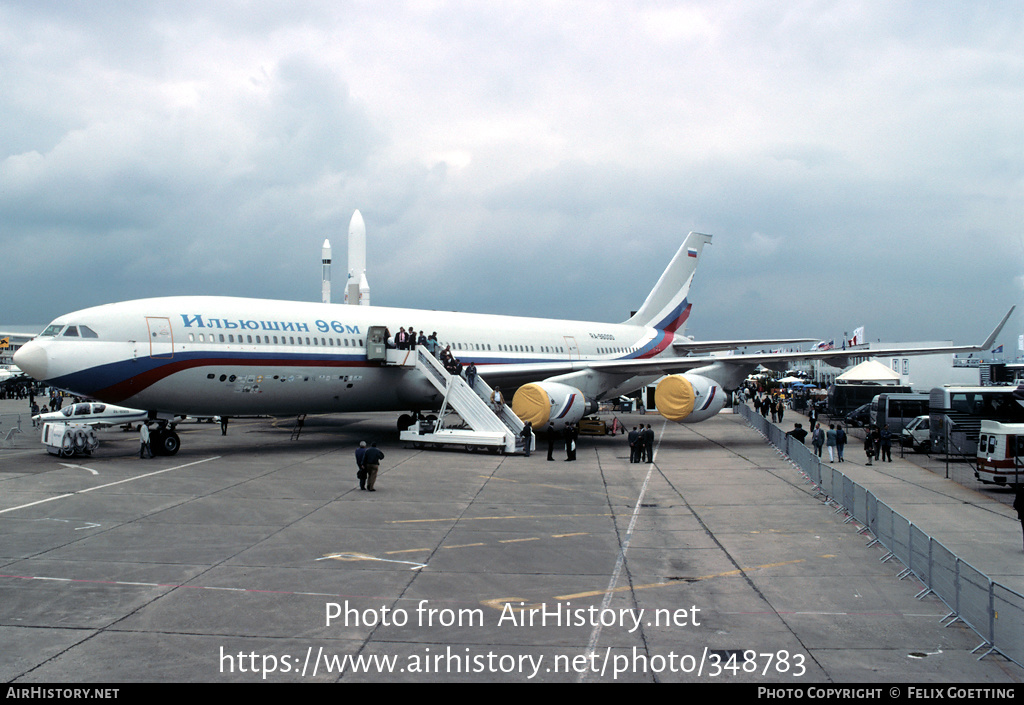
[550,403]
[688,398]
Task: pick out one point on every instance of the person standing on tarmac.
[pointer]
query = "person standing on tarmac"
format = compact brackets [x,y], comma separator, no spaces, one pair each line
[633,440]
[527,434]
[869,444]
[648,441]
[371,461]
[830,442]
[885,441]
[144,446]
[840,440]
[360,468]
[570,441]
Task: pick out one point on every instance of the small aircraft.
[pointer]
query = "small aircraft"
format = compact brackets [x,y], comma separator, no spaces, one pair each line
[95,414]
[8,374]
[224,356]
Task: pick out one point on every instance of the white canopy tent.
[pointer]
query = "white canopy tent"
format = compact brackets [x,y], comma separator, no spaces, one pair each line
[869,371]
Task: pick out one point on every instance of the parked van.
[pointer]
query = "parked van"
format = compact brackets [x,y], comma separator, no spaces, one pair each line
[916,436]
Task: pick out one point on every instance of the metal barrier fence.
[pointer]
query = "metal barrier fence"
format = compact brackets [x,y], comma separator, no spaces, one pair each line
[993,611]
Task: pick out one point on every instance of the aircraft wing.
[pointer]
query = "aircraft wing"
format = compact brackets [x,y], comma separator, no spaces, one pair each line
[705,346]
[513,374]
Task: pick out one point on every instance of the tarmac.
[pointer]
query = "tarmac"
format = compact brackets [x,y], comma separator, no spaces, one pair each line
[253,557]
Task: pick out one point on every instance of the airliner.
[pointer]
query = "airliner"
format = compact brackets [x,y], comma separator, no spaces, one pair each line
[225,356]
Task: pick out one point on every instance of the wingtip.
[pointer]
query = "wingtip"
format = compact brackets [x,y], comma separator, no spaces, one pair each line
[991,341]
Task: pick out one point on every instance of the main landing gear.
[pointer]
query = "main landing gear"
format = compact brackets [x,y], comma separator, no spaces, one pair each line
[164,441]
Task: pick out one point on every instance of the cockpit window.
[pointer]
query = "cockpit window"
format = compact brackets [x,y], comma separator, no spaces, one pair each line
[87,332]
[82,410]
[52,329]
[71,332]
[67,410]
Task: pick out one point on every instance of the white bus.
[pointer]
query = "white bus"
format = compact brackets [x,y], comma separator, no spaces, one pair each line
[956,415]
[897,410]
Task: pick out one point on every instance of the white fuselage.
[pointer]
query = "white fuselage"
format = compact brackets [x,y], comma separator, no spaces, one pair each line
[233,356]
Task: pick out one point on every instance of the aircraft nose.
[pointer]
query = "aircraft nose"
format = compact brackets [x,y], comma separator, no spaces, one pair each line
[32,360]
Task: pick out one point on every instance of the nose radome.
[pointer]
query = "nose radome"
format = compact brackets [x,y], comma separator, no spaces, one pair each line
[31,359]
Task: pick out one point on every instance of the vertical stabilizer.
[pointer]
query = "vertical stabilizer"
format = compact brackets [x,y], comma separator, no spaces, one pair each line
[667,307]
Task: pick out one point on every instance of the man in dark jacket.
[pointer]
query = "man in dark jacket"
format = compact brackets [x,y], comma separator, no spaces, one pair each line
[371,462]
[798,432]
[360,470]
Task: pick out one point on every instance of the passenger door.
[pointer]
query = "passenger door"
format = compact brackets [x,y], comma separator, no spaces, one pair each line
[161,341]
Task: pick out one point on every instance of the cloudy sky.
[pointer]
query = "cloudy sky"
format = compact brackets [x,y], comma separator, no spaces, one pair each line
[857,163]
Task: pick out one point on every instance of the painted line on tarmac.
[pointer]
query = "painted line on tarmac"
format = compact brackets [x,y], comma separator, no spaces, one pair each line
[512,516]
[109,484]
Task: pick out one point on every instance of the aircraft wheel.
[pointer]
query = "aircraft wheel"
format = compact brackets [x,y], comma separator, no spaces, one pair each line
[169,443]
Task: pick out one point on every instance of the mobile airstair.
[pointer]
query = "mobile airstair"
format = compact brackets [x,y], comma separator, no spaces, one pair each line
[479,426]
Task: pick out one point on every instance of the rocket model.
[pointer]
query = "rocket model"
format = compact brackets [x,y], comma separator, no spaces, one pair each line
[326,256]
[358,289]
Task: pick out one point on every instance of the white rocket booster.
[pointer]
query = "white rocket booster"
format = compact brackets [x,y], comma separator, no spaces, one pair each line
[326,257]
[358,289]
